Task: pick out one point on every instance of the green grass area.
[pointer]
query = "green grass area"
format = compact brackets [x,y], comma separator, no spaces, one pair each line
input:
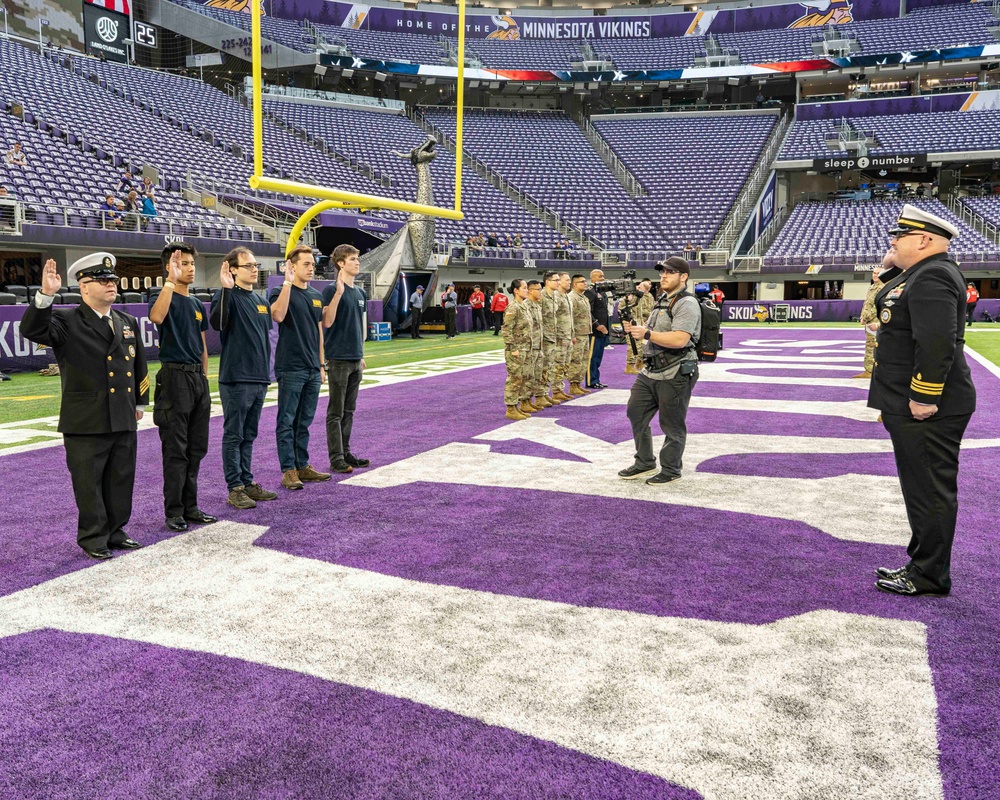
[30,395]
[986,342]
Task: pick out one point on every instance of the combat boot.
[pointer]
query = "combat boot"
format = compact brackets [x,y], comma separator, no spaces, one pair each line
[526,408]
[560,395]
[533,405]
[541,402]
[513,413]
[575,390]
[553,399]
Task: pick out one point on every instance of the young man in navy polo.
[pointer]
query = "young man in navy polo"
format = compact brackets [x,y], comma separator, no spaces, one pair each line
[344,310]
[182,404]
[243,319]
[298,310]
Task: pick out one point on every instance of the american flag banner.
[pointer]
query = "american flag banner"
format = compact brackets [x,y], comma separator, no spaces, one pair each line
[121,6]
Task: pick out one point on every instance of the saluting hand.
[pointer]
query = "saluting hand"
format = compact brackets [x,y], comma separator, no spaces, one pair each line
[289,270]
[51,282]
[174,267]
[226,277]
[340,285]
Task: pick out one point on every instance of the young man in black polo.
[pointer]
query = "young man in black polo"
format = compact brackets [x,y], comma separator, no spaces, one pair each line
[344,310]
[182,403]
[298,359]
[243,319]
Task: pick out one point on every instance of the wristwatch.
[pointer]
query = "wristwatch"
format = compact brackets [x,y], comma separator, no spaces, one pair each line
[647,334]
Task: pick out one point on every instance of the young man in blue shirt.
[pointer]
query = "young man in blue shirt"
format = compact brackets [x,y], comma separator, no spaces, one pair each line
[182,404]
[243,319]
[298,310]
[344,312]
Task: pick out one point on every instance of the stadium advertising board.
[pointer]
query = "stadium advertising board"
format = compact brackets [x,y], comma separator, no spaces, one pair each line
[846,162]
[105,33]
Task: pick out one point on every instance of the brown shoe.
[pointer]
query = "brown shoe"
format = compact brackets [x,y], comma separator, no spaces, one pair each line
[290,480]
[561,396]
[533,405]
[257,492]
[239,498]
[542,402]
[575,390]
[309,475]
[513,413]
[864,374]
[526,408]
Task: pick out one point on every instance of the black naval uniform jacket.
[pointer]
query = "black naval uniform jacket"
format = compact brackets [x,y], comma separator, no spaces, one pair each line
[103,375]
[920,345]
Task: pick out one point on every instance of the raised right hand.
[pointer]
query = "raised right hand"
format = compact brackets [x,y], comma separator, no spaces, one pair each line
[226,277]
[51,282]
[174,267]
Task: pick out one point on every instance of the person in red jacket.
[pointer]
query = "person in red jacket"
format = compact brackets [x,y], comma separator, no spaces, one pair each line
[498,306]
[971,298]
[478,302]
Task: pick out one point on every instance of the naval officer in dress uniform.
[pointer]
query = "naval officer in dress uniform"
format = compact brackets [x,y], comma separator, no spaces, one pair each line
[105,389]
[922,385]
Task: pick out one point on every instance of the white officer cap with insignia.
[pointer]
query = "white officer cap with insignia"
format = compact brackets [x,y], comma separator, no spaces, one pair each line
[913,219]
[95,265]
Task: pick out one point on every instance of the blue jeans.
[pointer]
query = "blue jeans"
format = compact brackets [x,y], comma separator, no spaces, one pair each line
[241,407]
[298,394]
[599,342]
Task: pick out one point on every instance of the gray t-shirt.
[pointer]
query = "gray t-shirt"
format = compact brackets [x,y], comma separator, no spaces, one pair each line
[687,317]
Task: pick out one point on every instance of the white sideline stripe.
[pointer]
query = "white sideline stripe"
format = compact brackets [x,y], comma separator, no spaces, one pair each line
[383,376]
[734,711]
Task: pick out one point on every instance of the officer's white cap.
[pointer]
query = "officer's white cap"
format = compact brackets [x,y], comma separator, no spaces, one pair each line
[94,265]
[916,219]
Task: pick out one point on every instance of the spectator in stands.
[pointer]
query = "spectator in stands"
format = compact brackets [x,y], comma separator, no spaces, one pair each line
[569,247]
[146,188]
[473,244]
[148,209]
[492,240]
[689,251]
[3,191]
[16,157]
[557,249]
[518,240]
[759,100]
[126,184]
[133,207]
[109,209]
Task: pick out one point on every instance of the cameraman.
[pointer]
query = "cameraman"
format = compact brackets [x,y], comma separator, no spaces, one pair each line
[670,373]
[636,305]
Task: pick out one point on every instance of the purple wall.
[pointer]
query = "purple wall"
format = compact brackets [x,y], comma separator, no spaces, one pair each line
[890,106]
[819,310]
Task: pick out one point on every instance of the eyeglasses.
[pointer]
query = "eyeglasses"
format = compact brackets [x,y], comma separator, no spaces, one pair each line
[102,281]
[895,236]
[251,265]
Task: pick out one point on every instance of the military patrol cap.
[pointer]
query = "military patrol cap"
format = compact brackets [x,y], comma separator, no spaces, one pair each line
[95,265]
[912,219]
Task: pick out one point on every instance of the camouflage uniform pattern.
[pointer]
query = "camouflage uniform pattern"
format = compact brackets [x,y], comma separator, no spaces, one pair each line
[582,328]
[549,346]
[564,336]
[869,315]
[516,332]
[641,309]
[533,384]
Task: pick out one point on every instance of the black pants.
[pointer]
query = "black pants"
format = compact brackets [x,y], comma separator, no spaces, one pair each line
[103,471]
[927,462]
[479,319]
[970,312]
[497,322]
[182,408]
[417,313]
[669,398]
[450,315]
[345,380]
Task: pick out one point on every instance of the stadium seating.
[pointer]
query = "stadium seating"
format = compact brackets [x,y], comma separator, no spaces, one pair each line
[848,232]
[938,132]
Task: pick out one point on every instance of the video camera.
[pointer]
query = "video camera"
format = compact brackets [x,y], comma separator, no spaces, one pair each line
[622,286]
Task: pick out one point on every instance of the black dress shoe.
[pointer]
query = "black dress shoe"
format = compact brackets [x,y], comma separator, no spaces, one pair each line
[101,553]
[598,386]
[125,544]
[892,574]
[662,477]
[176,524]
[200,517]
[354,461]
[903,585]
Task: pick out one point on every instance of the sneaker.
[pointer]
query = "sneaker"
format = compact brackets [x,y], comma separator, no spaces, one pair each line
[290,480]
[4,377]
[354,461]
[340,465]
[662,477]
[239,498]
[257,492]
[633,472]
[308,475]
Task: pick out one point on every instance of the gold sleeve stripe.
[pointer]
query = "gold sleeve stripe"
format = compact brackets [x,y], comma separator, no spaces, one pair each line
[929,392]
[927,384]
[144,385]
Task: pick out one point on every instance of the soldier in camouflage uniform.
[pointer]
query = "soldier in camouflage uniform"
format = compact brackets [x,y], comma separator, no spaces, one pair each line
[516,332]
[869,318]
[550,349]
[582,326]
[564,336]
[533,367]
[640,306]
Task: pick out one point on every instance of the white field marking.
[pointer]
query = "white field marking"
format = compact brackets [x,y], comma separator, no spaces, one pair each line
[734,711]
[381,376]
[864,508]
[853,409]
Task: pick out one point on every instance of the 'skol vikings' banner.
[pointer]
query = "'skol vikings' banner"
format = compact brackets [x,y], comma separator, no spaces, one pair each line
[511,27]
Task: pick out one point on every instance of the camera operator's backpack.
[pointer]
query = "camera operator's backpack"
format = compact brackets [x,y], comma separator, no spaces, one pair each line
[707,346]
